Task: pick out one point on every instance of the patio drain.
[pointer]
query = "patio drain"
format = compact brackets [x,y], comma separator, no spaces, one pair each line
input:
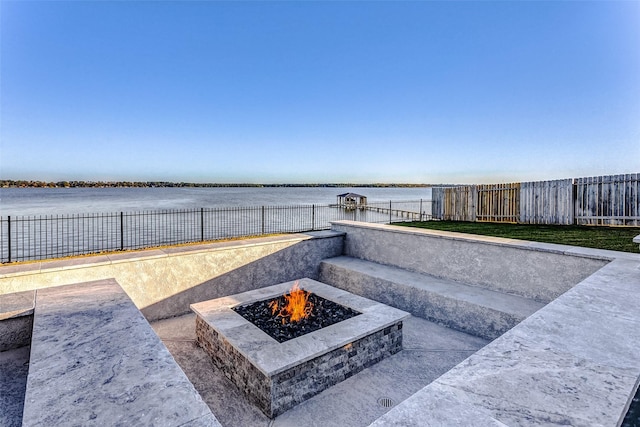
[385,402]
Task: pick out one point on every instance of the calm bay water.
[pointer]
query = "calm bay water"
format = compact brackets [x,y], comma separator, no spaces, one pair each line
[48,201]
[41,223]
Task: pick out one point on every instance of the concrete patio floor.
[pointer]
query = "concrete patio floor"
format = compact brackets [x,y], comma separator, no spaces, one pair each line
[429,351]
[14,366]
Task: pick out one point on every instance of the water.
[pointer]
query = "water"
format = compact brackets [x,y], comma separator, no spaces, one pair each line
[41,223]
[48,201]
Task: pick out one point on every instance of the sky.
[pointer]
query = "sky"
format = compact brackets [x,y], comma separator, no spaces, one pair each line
[313,91]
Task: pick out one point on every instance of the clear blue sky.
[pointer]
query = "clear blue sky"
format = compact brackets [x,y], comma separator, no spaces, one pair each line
[270,92]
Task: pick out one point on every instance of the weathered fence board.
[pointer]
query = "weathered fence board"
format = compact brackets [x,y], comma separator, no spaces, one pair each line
[547,202]
[437,198]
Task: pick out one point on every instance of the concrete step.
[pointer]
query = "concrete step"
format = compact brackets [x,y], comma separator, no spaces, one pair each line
[471,309]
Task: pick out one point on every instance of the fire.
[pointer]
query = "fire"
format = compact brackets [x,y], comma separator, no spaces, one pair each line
[296,307]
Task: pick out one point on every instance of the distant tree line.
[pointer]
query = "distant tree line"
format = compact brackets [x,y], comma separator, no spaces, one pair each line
[7,183]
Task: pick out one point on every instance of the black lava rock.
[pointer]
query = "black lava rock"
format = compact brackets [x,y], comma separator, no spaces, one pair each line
[323,314]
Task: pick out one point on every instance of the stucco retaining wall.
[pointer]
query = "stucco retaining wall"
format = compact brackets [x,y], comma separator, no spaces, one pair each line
[163,282]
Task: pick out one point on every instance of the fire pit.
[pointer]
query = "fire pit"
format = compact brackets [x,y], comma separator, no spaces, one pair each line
[294,314]
[292,360]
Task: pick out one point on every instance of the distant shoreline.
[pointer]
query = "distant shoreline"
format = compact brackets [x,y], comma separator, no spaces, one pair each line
[163,184]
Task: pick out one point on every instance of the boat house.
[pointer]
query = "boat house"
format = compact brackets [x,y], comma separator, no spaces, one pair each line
[352,201]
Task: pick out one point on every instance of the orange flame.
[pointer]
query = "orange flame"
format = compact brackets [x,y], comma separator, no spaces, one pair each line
[297,306]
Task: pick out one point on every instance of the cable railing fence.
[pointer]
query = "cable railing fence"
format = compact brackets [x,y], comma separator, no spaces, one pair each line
[31,238]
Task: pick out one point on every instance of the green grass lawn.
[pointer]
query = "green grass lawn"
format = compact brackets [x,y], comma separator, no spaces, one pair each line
[612,238]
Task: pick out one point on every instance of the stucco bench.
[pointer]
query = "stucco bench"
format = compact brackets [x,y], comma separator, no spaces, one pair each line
[472,309]
[96,361]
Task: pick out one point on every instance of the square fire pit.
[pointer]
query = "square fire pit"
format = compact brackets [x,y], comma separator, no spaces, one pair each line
[277,376]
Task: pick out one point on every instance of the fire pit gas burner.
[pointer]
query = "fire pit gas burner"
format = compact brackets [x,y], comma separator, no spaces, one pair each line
[294,314]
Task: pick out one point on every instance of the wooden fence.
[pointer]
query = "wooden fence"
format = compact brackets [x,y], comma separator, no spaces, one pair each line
[498,203]
[608,200]
[547,202]
[604,200]
[454,203]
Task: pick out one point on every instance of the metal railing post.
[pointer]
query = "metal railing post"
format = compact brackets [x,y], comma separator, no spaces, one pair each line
[9,238]
[262,219]
[313,217]
[202,224]
[122,231]
[389,211]
[420,209]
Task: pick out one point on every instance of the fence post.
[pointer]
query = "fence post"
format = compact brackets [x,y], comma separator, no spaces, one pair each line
[202,224]
[122,231]
[9,238]
[420,210]
[574,200]
[262,221]
[389,211]
[313,217]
